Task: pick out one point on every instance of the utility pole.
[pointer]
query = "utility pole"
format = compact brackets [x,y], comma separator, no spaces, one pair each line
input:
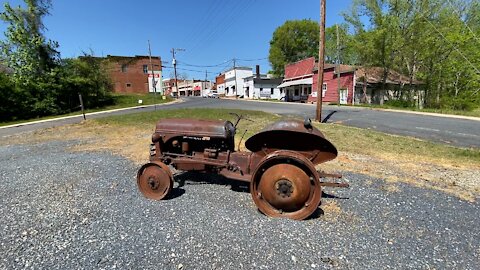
[206,72]
[235,74]
[174,63]
[153,77]
[338,65]
[321,61]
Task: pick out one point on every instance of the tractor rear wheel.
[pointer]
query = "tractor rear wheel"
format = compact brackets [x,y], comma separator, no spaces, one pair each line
[286,184]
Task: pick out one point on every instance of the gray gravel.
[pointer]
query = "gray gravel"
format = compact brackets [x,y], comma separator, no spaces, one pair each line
[68,210]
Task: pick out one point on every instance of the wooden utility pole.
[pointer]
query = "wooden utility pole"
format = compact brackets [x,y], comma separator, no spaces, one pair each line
[153,77]
[338,65]
[321,61]
[206,75]
[174,63]
[235,75]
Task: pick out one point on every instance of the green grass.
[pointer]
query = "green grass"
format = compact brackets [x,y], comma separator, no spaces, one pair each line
[374,143]
[141,119]
[120,101]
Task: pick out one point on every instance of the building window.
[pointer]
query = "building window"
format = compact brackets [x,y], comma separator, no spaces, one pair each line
[271,91]
[297,92]
[129,85]
[145,69]
[324,89]
[261,89]
[124,68]
[309,90]
[281,90]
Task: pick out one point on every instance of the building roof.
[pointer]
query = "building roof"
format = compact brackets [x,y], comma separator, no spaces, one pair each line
[267,80]
[297,82]
[120,57]
[374,75]
[299,68]
[343,68]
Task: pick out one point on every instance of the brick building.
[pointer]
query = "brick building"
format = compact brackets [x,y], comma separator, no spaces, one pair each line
[134,74]
[220,84]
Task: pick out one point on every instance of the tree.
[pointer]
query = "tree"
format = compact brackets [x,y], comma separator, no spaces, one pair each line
[430,40]
[348,55]
[26,51]
[291,42]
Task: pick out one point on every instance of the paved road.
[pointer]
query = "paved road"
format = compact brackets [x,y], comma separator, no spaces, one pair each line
[458,132]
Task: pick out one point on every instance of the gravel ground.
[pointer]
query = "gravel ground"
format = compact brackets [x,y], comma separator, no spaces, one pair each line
[68,210]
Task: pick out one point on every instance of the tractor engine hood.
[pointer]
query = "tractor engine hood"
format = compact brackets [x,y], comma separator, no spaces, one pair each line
[293,135]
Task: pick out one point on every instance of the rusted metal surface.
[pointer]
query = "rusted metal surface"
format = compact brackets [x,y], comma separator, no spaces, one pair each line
[295,135]
[286,184]
[155,180]
[280,166]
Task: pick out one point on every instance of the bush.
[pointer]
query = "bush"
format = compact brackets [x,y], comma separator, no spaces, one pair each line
[459,104]
[400,103]
[56,92]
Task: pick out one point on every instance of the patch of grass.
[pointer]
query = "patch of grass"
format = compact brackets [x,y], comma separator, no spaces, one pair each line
[374,143]
[151,118]
[120,101]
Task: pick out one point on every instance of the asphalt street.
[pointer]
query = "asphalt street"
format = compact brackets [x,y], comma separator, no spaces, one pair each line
[453,131]
[82,210]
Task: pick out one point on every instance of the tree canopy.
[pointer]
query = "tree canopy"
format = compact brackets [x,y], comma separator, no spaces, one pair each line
[34,80]
[436,42]
[433,41]
[293,41]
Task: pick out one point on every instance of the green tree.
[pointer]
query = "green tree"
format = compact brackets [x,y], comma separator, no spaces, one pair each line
[25,50]
[345,48]
[293,41]
[429,40]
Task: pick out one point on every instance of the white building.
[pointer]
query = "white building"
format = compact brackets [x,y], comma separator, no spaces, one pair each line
[192,87]
[199,87]
[236,74]
[263,87]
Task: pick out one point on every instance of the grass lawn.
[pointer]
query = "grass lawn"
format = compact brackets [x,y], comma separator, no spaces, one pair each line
[120,101]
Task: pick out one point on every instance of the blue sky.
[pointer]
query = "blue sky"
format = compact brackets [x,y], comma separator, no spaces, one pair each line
[211,32]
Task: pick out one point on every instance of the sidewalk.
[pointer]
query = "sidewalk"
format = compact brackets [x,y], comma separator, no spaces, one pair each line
[88,114]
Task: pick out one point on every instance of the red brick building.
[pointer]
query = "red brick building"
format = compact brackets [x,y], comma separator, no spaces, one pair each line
[134,74]
[220,84]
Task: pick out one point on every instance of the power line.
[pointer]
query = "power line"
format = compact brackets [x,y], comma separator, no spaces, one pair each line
[250,60]
[448,41]
[453,46]
[215,65]
[460,15]
[222,27]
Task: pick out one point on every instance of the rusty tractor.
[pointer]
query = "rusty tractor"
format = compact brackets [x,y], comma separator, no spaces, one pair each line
[280,167]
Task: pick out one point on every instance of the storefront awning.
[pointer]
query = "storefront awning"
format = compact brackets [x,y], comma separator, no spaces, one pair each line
[296,82]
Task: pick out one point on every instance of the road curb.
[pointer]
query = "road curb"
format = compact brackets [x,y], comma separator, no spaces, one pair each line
[87,114]
[430,114]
